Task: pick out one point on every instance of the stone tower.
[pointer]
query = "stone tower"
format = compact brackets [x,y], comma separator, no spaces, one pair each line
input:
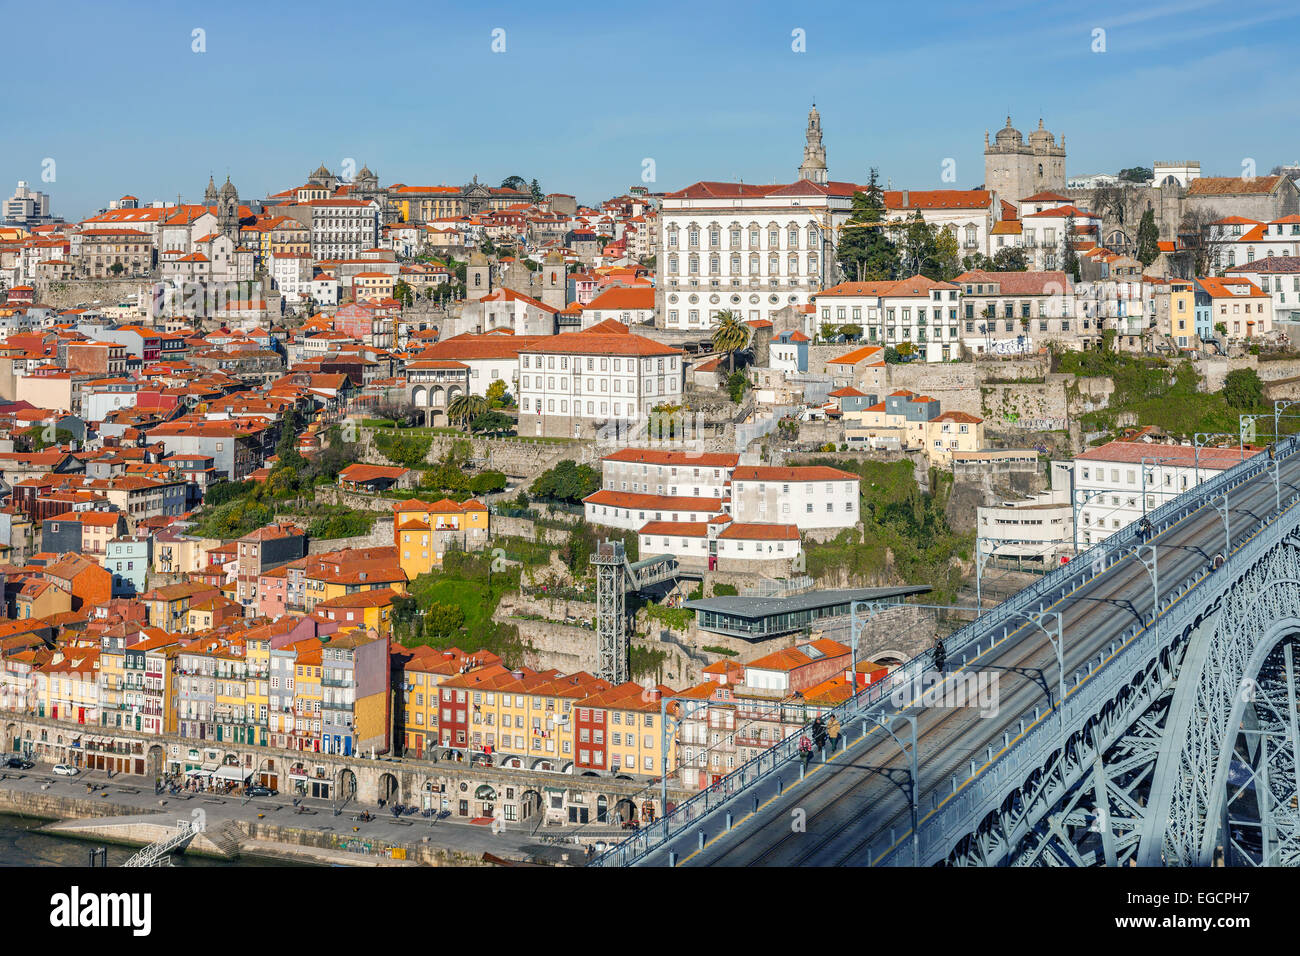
[210,194]
[554,292]
[1016,169]
[814,153]
[478,277]
[228,212]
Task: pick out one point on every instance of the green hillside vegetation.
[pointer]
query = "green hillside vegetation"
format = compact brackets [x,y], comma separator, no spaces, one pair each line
[1167,395]
[897,517]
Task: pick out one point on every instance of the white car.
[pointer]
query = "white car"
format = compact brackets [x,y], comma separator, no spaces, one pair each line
[66,770]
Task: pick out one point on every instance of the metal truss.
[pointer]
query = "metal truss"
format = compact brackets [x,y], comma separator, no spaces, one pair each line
[1218,695]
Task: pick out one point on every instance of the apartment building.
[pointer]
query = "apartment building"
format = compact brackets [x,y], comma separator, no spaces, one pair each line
[812,497]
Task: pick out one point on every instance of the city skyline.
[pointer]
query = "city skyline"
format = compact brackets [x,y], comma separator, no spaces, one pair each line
[592,139]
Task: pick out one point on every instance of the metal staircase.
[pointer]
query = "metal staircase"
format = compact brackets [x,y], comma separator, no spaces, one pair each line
[158,853]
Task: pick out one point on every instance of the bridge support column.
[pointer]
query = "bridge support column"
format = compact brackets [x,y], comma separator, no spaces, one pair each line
[1103,811]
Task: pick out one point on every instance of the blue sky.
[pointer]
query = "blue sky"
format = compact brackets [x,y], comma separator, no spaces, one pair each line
[584,92]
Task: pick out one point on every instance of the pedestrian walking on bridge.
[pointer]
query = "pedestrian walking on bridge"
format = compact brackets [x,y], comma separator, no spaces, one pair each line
[833,731]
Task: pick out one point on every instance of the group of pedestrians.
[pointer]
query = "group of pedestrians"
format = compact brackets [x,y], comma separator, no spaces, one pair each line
[823,733]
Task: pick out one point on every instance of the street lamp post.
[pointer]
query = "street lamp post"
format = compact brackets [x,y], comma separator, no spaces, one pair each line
[1199,441]
[887,723]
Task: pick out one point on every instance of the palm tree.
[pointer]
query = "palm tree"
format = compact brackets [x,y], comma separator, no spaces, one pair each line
[731,335]
[466,408]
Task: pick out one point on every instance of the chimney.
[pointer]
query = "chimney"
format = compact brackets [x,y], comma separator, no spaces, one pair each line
[906,195]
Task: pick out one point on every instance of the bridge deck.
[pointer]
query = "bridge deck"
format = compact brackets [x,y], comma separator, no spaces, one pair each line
[855,801]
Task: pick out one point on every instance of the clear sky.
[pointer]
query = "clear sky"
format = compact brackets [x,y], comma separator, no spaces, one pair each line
[584,92]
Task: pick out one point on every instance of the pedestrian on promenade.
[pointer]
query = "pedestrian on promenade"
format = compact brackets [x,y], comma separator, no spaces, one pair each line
[805,749]
[833,731]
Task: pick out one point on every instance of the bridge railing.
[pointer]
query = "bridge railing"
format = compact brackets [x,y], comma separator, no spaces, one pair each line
[1093,685]
[995,624]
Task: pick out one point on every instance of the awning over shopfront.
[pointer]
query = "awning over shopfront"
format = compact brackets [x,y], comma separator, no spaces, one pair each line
[233,773]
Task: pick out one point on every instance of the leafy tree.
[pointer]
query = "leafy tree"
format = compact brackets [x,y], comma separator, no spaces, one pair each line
[1136,174]
[891,355]
[866,252]
[1009,259]
[567,481]
[1243,390]
[536,190]
[441,620]
[906,349]
[497,394]
[491,421]
[487,482]
[220,492]
[1148,238]
[1070,255]
[515,182]
[287,449]
[737,382]
[947,255]
[578,548]
[403,292]
[37,440]
[852,331]
[408,450]
[730,336]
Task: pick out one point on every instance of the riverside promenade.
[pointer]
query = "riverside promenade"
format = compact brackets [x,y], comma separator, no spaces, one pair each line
[125,809]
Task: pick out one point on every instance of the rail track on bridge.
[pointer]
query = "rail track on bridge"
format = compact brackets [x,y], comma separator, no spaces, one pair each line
[854,809]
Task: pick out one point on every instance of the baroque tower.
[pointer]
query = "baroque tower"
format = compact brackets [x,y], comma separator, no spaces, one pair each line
[228,212]
[1016,169]
[814,153]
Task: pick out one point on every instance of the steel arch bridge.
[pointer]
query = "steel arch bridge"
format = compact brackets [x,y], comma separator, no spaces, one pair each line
[1174,741]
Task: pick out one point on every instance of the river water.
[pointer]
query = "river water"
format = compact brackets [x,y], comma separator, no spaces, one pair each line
[21,845]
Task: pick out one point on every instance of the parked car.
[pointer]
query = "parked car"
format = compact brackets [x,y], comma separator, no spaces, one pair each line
[19,763]
[66,770]
[260,791]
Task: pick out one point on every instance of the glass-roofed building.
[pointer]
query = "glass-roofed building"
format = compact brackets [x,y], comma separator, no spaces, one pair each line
[756,618]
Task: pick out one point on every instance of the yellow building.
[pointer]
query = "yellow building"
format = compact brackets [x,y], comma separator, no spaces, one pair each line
[326,579]
[526,720]
[950,432]
[68,686]
[423,531]
[167,607]
[371,610]
[307,699]
[257,645]
[40,599]
[422,674]
[620,730]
